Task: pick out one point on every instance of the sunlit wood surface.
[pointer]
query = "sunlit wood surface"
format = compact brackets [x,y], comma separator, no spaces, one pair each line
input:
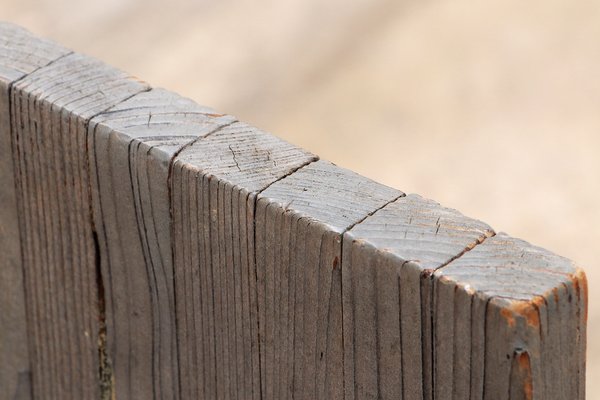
[491,108]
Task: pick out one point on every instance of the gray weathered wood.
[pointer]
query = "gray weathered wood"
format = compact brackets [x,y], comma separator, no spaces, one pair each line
[214,186]
[299,287]
[20,54]
[64,290]
[387,268]
[527,323]
[130,150]
[153,248]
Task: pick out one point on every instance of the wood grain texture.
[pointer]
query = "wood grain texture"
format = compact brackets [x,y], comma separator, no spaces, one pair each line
[50,111]
[214,186]
[152,248]
[299,225]
[20,54]
[527,323]
[130,150]
[387,269]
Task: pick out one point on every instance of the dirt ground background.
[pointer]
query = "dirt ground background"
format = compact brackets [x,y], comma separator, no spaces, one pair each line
[488,107]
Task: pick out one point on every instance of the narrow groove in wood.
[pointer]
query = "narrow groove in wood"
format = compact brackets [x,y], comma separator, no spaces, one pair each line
[372,212]
[105,368]
[303,165]
[466,250]
[192,142]
[171,208]
[431,277]
[342,267]
[16,81]
[260,353]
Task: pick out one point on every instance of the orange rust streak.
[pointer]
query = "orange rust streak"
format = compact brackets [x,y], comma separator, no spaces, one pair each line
[556,296]
[528,310]
[508,316]
[581,284]
[525,369]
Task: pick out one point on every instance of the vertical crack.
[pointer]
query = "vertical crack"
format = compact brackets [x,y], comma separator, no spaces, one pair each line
[106,379]
[105,371]
[430,275]
[341,289]
[255,205]
[260,355]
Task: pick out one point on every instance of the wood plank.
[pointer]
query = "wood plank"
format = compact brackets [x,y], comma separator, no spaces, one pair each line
[387,268]
[214,186]
[20,54]
[529,329]
[130,148]
[64,285]
[301,341]
[158,249]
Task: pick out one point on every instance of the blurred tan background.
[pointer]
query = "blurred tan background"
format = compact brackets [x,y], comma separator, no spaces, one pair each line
[489,107]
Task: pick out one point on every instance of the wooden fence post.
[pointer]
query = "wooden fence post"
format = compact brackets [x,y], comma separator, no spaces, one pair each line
[152,248]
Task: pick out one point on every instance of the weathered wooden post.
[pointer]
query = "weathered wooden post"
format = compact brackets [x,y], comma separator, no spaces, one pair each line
[154,248]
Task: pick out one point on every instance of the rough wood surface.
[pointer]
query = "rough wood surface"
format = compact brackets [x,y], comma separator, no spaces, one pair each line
[526,322]
[388,263]
[154,248]
[20,54]
[130,148]
[299,225]
[214,186]
[50,111]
